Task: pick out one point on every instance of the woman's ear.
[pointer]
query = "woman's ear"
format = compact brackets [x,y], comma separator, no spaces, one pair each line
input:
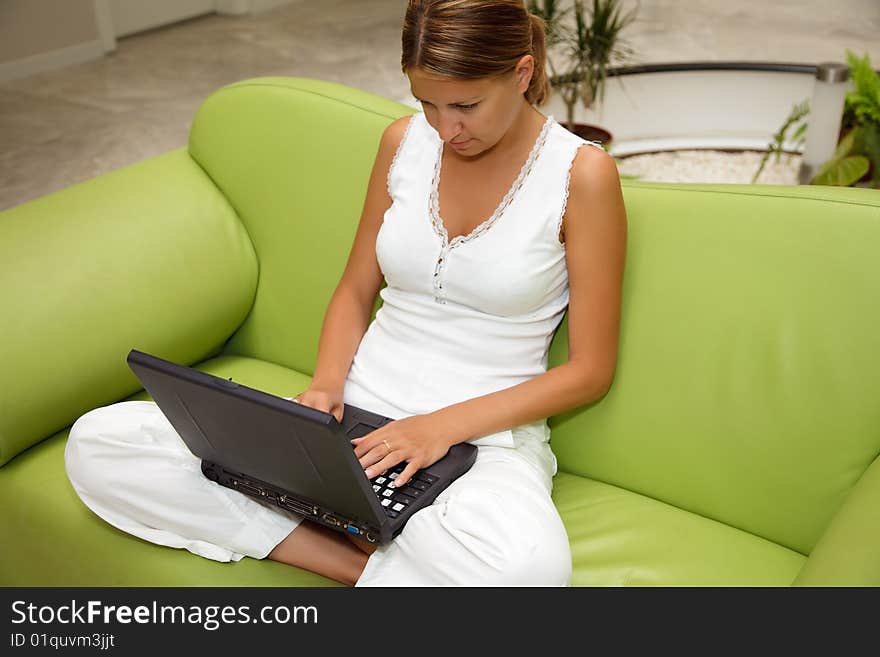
[525,68]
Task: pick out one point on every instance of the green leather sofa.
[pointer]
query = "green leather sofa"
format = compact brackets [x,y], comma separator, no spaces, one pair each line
[738,444]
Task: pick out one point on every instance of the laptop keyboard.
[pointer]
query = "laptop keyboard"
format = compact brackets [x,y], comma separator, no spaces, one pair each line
[395,500]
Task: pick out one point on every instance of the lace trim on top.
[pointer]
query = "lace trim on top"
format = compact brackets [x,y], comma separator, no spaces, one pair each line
[568,186]
[434,202]
[409,125]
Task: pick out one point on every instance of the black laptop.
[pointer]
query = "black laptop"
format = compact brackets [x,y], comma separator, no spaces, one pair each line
[290,455]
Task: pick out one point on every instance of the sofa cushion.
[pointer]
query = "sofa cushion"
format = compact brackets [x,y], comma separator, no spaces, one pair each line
[151,256]
[48,537]
[749,364]
[622,538]
[848,553]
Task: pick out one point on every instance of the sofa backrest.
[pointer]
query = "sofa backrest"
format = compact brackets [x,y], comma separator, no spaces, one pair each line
[293,157]
[149,257]
[748,379]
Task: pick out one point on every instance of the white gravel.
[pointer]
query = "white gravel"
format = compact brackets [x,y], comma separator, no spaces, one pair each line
[710,166]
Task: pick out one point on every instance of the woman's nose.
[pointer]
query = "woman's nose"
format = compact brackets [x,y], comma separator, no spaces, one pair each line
[448,127]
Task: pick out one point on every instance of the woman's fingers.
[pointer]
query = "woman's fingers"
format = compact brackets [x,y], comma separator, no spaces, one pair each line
[369,459]
[318,402]
[383,464]
[376,455]
[370,442]
[410,469]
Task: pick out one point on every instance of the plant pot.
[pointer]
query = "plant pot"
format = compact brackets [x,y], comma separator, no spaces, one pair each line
[591,133]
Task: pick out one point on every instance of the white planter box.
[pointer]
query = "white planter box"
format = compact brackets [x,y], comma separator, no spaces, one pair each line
[737,109]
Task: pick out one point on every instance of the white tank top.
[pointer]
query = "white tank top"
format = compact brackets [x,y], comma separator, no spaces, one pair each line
[470,316]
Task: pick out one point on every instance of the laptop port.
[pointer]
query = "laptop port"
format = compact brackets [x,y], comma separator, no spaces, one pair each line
[330,520]
[298,507]
[352,529]
[371,538]
[247,488]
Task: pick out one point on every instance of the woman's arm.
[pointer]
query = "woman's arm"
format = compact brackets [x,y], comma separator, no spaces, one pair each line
[350,307]
[595,236]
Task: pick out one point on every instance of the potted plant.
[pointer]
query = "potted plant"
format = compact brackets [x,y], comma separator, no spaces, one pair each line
[857,158]
[586,50]
[856,161]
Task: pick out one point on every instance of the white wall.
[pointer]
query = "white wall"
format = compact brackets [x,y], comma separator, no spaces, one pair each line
[40,35]
[43,35]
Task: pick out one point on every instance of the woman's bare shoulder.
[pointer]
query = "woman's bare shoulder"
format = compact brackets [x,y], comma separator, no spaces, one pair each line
[594,190]
[393,134]
[593,169]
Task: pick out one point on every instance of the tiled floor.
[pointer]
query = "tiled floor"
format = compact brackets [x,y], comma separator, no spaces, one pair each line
[65,126]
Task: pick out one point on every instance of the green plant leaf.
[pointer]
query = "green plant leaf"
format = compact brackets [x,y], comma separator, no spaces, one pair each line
[867,143]
[797,113]
[592,45]
[842,173]
[552,14]
[863,102]
[845,147]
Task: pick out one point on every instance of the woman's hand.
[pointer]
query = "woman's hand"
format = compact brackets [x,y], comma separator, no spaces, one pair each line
[421,440]
[329,401]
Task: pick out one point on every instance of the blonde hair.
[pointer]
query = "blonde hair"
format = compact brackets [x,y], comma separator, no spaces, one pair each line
[469,39]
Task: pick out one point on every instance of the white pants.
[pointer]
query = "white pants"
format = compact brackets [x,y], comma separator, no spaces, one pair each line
[494,525]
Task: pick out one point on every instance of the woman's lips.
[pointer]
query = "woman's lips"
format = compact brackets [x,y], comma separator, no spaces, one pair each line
[461,144]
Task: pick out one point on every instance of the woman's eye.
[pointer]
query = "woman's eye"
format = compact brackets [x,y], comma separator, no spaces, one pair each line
[467,107]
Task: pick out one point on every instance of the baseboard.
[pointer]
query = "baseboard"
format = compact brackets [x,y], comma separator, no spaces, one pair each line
[49,61]
[232,7]
[258,6]
[240,7]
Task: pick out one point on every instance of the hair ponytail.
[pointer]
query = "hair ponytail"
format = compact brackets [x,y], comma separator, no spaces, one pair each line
[539,87]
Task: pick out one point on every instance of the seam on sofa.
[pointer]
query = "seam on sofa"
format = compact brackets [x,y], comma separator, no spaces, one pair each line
[313,93]
[744,192]
[237,214]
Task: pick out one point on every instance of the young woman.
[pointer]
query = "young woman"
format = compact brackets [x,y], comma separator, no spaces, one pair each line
[487,220]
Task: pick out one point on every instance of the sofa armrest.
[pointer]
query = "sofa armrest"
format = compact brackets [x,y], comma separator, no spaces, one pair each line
[151,257]
[848,553]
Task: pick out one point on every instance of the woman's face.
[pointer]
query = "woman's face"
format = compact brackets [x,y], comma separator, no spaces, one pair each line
[472,115]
